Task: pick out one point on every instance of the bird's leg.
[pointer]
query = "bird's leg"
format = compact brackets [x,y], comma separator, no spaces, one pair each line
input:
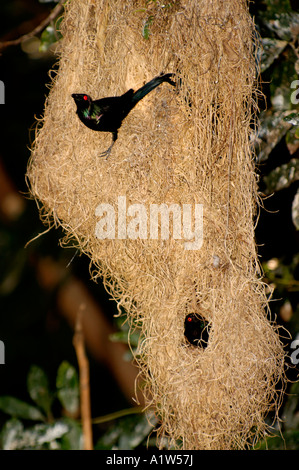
[108,151]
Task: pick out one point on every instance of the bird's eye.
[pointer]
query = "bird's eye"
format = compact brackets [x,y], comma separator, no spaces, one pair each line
[189,319]
[85,97]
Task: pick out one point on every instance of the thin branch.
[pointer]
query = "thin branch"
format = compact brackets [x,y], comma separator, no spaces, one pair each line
[118,414]
[54,13]
[83,364]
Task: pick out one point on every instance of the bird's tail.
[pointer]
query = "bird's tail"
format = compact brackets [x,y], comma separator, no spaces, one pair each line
[144,90]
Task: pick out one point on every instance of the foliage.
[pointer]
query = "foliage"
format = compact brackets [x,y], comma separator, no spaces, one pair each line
[277,150]
[64,432]
[47,432]
[50,419]
[127,433]
[50,35]
[124,335]
[279,26]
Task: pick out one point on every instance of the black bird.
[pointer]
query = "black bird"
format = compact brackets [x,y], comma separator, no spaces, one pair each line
[107,114]
[196,330]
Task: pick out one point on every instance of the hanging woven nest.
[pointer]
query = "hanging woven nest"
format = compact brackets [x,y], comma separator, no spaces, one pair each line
[183,148]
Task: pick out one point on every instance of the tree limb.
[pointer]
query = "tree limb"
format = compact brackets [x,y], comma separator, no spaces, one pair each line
[84,381]
[54,13]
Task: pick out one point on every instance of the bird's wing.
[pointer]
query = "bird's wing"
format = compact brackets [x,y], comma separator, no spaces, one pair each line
[102,106]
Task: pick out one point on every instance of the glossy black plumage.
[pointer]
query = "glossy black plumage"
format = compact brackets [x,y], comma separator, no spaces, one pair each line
[107,114]
[196,330]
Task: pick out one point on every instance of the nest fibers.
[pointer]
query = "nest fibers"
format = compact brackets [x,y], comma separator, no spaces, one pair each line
[187,148]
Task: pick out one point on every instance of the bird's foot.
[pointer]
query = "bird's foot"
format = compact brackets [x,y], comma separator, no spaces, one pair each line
[106,153]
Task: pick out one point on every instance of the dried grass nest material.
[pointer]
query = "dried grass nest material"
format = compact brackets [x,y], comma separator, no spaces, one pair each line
[191,146]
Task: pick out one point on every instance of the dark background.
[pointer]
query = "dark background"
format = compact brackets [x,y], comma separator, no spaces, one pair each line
[32,326]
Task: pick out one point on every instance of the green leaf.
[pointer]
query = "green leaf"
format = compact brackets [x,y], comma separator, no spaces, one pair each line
[67,384]
[73,439]
[43,434]
[38,388]
[146,27]
[271,49]
[127,433]
[50,36]
[11,433]
[279,18]
[124,336]
[292,118]
[133,438]
[40,436]
[272,129]
[283,176]
[284,25]
[17,408]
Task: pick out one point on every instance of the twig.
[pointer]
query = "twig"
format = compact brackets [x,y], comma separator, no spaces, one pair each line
[54,13]
[83,364]
[118,414]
